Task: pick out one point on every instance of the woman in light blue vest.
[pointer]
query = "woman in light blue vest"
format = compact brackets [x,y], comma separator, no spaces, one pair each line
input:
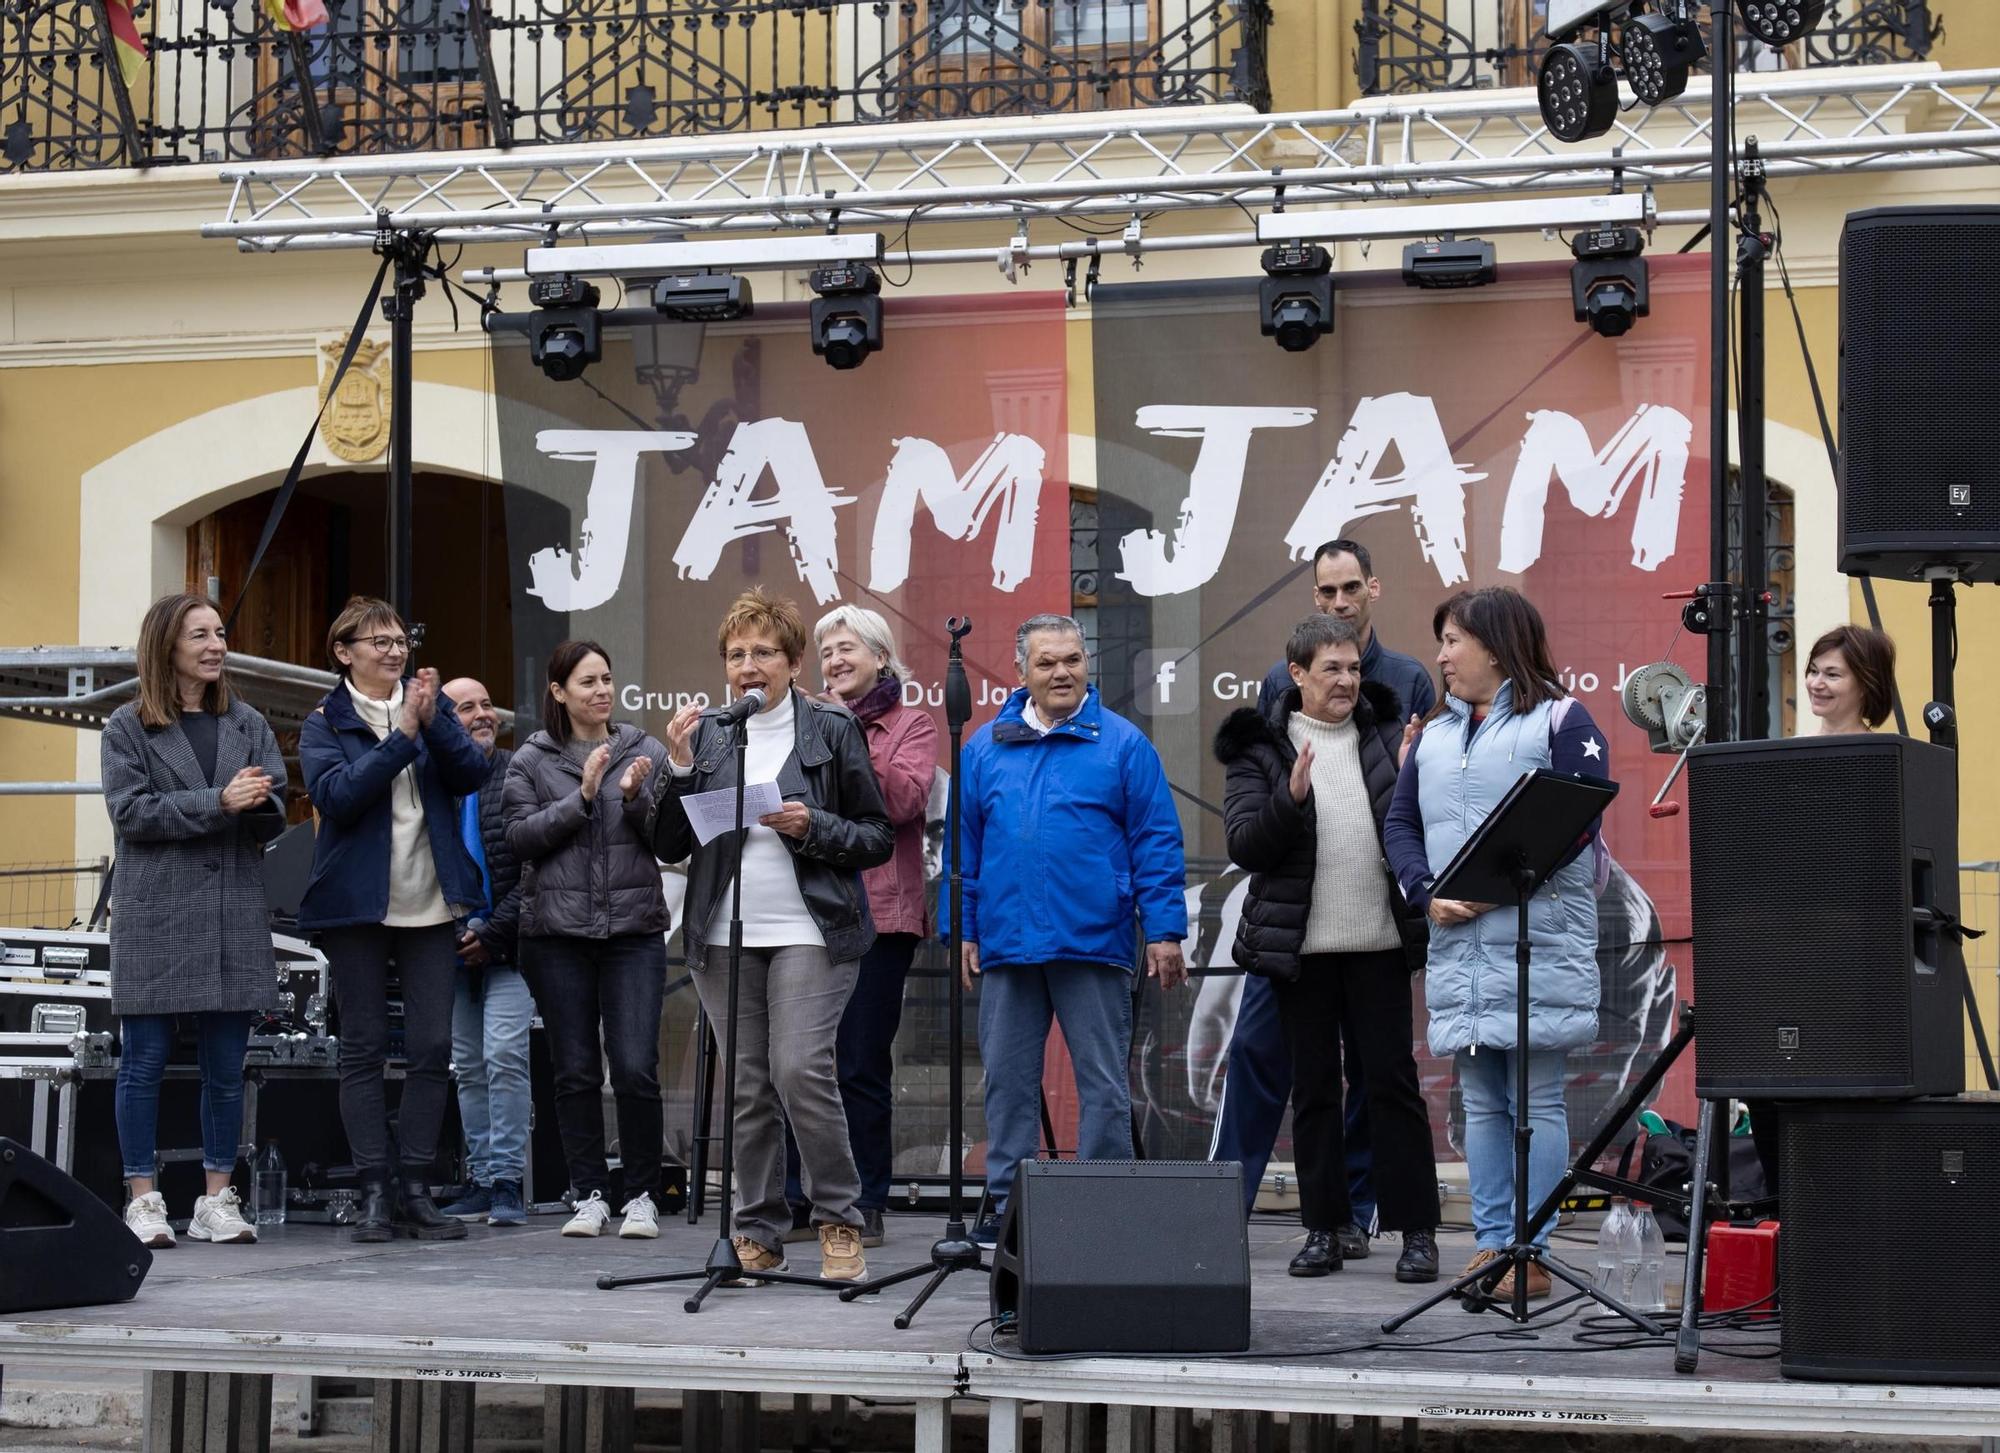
[1504,714]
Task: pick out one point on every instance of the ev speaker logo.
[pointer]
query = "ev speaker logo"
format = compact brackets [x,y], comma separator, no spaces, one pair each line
[1166,682]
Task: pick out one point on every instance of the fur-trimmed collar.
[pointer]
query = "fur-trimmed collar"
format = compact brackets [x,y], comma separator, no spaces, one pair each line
[1247,728]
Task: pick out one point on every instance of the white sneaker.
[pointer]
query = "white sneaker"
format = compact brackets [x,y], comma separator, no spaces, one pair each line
[642,1221]
[146,1218]
[220,1218]
[591,1214]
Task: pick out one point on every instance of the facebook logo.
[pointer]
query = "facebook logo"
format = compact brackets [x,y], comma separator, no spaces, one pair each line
[1166,682]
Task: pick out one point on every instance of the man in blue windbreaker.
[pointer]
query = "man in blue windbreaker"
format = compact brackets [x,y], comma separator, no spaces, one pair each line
[1072,849]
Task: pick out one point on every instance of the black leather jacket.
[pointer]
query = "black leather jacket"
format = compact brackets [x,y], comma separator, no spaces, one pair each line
[828,770]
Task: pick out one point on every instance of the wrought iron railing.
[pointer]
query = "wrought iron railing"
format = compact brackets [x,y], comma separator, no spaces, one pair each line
[1405,46]
[226,82]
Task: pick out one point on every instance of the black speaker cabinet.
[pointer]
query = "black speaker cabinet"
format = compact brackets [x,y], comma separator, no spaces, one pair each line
[1125,1256]
[1821,870]
[1917,1298]
[59,1245]
[1919,371]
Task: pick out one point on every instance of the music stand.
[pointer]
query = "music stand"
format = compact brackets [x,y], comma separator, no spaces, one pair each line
[1532,831]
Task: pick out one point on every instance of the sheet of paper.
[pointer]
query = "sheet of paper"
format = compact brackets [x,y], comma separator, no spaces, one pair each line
[712,814]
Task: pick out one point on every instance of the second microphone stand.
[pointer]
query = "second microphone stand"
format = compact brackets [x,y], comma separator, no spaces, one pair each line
[955,1250]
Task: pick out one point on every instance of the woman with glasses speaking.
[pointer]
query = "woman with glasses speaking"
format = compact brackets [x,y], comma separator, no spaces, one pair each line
[384,758]
[805,923]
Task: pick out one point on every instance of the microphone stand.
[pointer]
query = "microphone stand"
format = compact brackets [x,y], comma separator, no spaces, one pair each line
[955,1250]
[723,1264]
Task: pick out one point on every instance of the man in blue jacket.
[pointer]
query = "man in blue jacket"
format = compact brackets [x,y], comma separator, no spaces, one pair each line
[1258,1081]
[1071,845]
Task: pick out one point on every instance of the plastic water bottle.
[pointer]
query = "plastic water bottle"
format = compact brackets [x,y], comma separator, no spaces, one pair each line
[267,1187]
[1611,1237]
[1649,1292]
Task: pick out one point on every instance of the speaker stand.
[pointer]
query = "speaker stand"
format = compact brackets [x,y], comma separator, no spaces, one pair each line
[955,1250]
[1941,718]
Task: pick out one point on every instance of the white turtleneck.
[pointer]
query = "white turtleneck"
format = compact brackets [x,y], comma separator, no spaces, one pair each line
[774,911]
[1350,892]
[415,899]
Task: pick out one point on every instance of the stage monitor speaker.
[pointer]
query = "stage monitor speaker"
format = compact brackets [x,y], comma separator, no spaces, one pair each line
[1125,1256]
[1824,876]
[1917,1297]
[59,1245]
[1919,371]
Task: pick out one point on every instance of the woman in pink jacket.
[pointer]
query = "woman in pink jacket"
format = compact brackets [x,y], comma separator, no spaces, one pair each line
[857,659]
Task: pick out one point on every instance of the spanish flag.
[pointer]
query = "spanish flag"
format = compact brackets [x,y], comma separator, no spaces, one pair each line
[296,14]
[126,40]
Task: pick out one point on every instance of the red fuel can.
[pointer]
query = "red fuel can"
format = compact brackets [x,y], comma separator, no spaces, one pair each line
[1741,1269]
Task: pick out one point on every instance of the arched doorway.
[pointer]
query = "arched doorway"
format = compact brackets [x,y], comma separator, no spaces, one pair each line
[332,545]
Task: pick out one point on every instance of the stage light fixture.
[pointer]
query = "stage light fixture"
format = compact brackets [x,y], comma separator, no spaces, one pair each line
[847,314]
[1449,263]
[1578,91]
[566,335]
[703,297]
[1658,52]
[1295,299]
[1608,282]
[1780,22]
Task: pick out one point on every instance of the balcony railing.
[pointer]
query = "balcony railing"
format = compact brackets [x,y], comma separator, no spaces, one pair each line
[1405,46]
[225,83]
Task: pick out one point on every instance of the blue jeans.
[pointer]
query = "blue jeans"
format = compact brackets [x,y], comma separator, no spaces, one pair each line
[144,1041]
[1256,1086]
[1486,1082]
[1093,1003]
[489,1050]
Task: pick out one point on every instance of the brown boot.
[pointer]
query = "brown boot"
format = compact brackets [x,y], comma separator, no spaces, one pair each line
[755,1257]
[1539,1283]
[840,1257]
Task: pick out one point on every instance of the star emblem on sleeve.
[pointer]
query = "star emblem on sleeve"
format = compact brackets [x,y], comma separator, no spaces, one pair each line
[1593,749]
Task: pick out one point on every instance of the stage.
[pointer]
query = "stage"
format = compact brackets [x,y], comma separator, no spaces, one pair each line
[521,1307]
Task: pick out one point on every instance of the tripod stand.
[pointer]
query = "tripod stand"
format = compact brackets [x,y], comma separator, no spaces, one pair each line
[723,1264]
[1532,830]
[955,1250]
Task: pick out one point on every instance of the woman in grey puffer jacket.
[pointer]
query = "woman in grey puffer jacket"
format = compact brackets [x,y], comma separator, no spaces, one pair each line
[593,927]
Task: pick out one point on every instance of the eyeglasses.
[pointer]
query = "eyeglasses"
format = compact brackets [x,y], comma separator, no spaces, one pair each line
[762,655]
[384,645]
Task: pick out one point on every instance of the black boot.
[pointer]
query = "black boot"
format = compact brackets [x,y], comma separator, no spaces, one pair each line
[425,1221]
[1320,1256]
[372,1218]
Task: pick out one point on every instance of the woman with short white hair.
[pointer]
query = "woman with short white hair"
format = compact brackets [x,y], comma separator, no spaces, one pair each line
[862,671]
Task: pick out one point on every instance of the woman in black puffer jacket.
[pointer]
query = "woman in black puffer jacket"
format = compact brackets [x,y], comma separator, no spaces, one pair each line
[1306,794]
[593,928]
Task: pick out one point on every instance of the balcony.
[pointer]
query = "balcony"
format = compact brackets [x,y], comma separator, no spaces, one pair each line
[1410,46]
[225,82]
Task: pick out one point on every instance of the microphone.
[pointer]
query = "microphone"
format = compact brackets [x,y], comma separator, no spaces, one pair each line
[744,707]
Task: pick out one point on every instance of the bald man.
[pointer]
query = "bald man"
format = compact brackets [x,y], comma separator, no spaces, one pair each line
[492,1007]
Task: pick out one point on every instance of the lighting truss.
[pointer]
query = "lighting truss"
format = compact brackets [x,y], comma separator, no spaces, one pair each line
[877,177]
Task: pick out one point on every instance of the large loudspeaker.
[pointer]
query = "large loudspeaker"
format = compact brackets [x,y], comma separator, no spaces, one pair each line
[1919,371]
[1125,1256]
[1918,1300]
[59,1245]
[1823,870]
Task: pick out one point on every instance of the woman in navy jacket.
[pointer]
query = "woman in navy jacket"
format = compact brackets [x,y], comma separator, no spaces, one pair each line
[383,759]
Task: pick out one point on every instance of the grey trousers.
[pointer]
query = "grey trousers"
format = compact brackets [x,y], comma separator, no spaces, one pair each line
[788,1008]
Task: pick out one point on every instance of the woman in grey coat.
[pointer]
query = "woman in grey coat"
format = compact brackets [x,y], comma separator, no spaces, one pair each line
[195,786]
[593,928]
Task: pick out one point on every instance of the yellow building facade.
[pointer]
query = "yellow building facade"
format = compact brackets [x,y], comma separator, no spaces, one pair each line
[151,381]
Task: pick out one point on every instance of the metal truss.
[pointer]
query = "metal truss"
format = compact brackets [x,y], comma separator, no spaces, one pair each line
[1806,123]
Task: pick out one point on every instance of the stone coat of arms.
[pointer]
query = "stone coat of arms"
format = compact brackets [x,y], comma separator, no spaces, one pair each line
[355,424]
